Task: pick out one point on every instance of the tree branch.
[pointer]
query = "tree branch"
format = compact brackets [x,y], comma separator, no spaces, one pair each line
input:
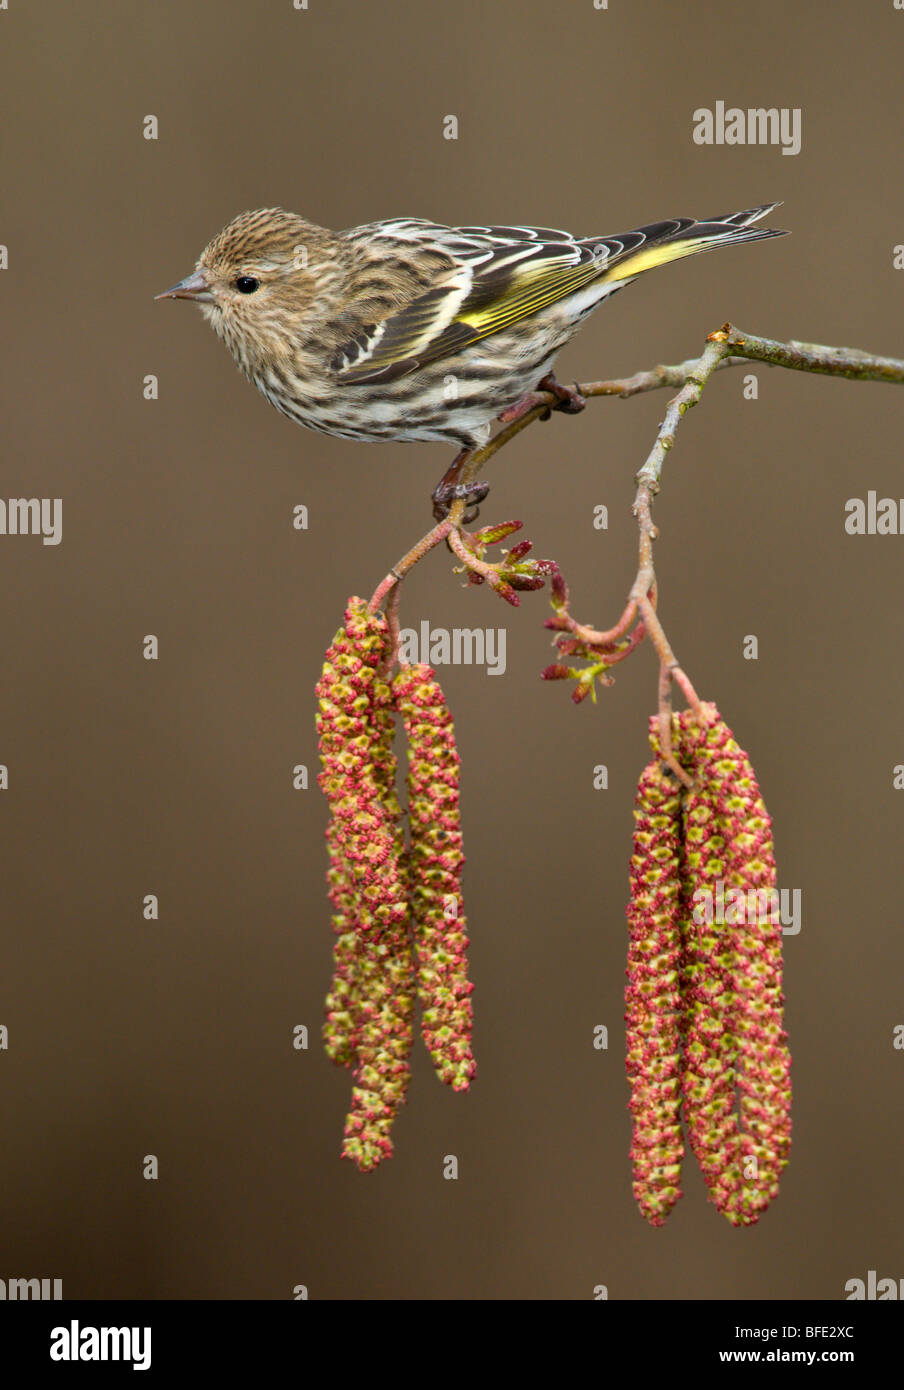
[810,357]
[726,347]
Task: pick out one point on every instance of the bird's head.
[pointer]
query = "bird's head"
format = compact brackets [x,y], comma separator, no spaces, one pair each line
[255,278]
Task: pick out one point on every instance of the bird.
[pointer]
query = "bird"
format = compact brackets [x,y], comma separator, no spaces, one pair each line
[408,330]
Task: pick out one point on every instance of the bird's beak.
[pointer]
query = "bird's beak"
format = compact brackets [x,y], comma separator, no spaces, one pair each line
[192,287]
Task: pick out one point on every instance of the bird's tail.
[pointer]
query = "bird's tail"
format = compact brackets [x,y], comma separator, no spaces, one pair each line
[661,242]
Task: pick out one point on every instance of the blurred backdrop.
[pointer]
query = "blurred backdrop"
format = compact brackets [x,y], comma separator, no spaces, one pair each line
[173,777]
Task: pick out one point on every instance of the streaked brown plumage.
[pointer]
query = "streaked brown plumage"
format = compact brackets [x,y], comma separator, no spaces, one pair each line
[408,330]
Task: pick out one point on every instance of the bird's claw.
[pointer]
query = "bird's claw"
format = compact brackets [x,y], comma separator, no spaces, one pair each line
[568,398]
[471,493]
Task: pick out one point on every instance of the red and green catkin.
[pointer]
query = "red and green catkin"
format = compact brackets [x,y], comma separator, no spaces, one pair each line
[737,1082]
[652,996]
[370,1005]
[397,911]
[719,1038]
[435,864]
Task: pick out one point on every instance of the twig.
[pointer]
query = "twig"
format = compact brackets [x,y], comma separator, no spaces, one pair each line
[810,357]
[726,347]
[736,348]
[649,475]
[648,482]
[417,552]
[395,634]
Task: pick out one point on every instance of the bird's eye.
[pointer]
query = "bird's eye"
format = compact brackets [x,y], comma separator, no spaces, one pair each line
[246,284]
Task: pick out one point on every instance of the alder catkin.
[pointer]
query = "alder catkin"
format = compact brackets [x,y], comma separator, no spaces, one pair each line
[370,1005]
[706,1040]
[435,864]
[652,997]
[737,1082]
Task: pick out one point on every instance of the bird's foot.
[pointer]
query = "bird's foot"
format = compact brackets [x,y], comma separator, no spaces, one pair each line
[473,494]
[569,399]
[450,489]
[523,407]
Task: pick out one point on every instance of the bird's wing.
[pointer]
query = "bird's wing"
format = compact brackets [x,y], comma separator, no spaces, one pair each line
[492,277]
[489,278]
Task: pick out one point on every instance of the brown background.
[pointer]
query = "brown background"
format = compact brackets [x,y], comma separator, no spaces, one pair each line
[129,777]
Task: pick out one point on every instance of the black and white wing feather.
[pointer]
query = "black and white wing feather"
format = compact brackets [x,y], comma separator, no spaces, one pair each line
[489,278]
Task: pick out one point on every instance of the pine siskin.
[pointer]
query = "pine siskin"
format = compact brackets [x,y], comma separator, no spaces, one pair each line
[408,330]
